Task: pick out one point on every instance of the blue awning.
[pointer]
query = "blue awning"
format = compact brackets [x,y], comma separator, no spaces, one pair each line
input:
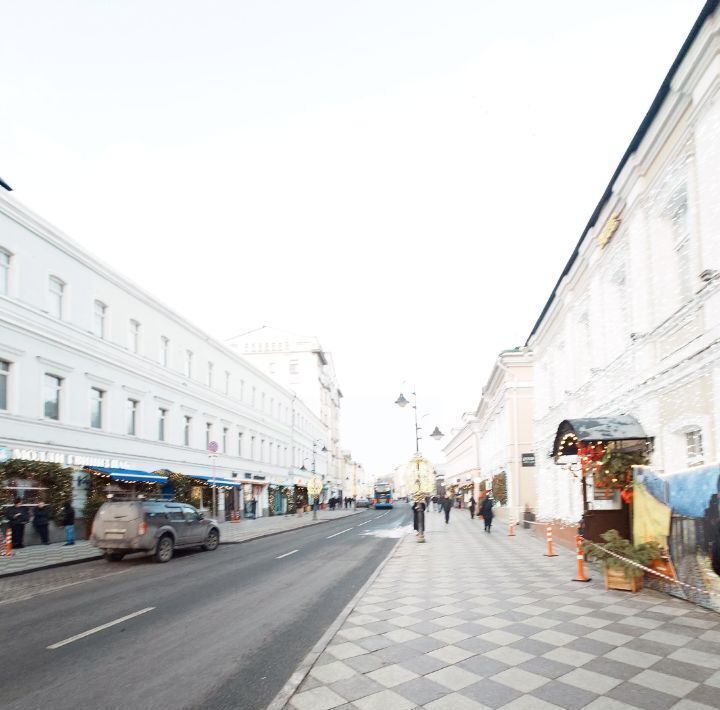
[214,480]
[126,475]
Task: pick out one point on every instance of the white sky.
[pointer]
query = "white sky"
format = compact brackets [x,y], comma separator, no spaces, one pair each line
[404,179]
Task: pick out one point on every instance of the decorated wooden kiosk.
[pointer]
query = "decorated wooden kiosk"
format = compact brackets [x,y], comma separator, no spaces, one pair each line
[600,453]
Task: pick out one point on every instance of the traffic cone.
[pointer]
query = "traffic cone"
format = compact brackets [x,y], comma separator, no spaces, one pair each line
[580,577]
[6,549]
[548,535]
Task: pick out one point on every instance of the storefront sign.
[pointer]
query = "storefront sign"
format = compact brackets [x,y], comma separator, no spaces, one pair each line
[528,459]
[65,459]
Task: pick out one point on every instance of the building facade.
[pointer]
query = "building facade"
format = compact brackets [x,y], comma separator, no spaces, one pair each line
[301,365]
[491,450]
[96,372]
[633,325]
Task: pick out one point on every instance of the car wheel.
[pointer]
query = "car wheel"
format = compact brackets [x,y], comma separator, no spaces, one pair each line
[164,549]
[114,556]
[212,541]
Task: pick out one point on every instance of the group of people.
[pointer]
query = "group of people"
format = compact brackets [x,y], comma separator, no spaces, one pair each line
[18,516]
[443,504]
[341,503]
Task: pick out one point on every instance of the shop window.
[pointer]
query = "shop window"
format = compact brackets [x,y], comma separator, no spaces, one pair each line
[694,447]
[4,383]
[52,390]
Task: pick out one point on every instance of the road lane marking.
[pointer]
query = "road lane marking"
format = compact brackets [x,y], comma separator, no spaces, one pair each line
[100,628]
[338,533]
[287,554]
[365,523]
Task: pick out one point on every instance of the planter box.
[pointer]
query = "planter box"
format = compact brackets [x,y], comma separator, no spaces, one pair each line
[616,579]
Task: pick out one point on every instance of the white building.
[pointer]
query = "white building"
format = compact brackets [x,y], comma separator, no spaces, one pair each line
[95,371]
[496,438]
[301,365]
[633,325]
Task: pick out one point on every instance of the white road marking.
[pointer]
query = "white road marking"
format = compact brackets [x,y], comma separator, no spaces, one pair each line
[100,628]
[365,523]
[338,533]
[287,554]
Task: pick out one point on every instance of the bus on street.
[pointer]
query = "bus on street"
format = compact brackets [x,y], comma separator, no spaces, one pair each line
[383,495]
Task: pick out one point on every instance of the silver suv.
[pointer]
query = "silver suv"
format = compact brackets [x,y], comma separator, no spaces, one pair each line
[152,526]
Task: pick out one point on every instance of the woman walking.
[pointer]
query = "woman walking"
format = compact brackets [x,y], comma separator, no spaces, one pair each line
[472,508]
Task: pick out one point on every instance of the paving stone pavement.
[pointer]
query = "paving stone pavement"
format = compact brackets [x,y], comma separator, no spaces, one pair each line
[470,621]
[35,557]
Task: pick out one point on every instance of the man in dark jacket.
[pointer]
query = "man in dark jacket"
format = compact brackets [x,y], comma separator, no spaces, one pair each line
[41,521]
[486,511]
[17,517]
[68,521]
[447,507]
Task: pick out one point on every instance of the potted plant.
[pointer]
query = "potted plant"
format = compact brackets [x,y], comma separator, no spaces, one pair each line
[620,574]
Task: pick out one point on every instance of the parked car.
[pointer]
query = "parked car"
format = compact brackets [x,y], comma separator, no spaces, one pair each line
[151,526]
[363,503]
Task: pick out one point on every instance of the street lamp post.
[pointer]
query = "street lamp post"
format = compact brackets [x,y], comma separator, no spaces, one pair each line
[419,494]
[315,486]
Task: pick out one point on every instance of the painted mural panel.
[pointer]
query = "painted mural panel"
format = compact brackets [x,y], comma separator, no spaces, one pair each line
[681,511]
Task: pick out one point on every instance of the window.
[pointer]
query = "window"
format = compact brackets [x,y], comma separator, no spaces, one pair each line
[4,272]
[224,440]
[210,374]
[188,363]
[162,416]
[186,430]
[252,448]
[56,291]
[694,443]
[262,402]
[51,394]
[242,390]
[227,382]
[677,211]
[164,348]
[293,367]
[262,449]
[272,406]
[208,434]
[96,407]
[252,399]
[99,319]
[4,377]
[134,336]
[239,443]
[132,414]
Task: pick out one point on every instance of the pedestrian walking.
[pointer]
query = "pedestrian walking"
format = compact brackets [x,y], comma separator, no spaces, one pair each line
[447,507]
[472,508]
[17,517]
[68,521]
[41,521]
[487,512]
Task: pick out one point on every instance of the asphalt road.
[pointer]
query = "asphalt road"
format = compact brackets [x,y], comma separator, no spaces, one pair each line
[209,630]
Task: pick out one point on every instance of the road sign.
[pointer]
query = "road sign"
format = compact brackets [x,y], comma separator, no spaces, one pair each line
[528,459]
[213,447]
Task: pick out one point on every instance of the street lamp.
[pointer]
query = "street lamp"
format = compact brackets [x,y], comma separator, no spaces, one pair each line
[420,494]
[315,486]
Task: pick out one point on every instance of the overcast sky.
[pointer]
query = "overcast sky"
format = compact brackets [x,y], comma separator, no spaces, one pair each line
[404,179]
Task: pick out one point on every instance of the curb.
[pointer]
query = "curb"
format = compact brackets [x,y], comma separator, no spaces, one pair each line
[99,556]
[293,683]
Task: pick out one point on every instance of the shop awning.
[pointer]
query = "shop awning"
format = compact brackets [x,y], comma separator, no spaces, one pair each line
[126,475]
[215,480]
[619,428]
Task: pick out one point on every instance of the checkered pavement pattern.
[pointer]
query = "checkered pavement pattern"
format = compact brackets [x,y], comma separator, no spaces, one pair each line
[471,620]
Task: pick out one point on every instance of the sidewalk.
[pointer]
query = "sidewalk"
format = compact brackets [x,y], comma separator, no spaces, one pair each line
[29,559]
[470,621]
